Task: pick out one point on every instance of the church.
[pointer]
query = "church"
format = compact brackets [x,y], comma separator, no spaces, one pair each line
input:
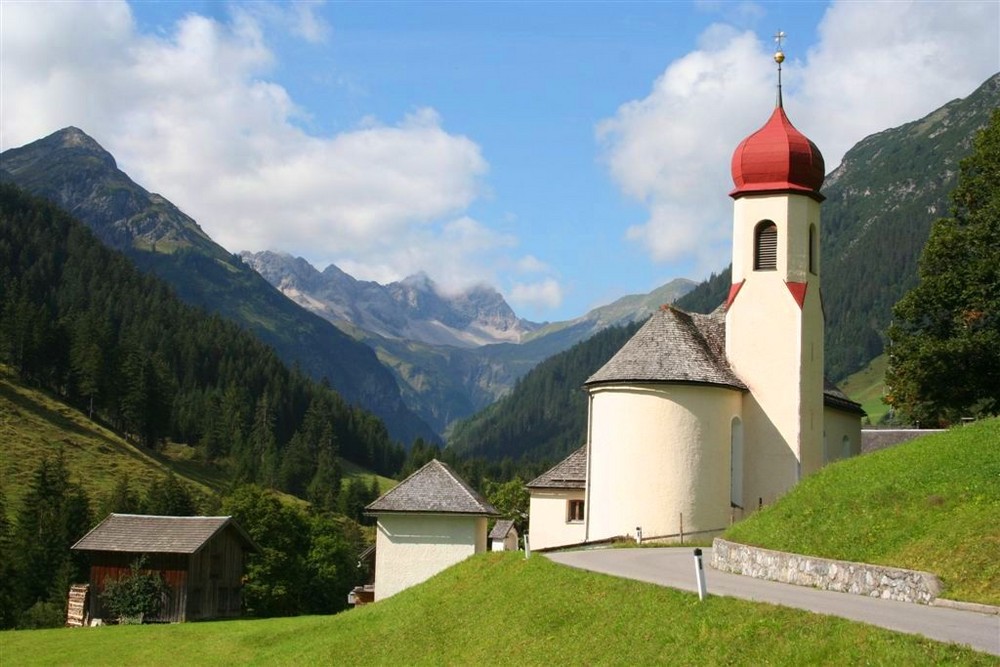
[700,419]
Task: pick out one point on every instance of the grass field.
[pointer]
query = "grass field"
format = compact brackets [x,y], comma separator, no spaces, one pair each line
[932,504]
[501,608]
[867,387]
[34,425]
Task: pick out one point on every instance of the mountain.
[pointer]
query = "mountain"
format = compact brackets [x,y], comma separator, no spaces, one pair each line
[545,416]
[73,171]
[880,203]
[413,309]
[453,355]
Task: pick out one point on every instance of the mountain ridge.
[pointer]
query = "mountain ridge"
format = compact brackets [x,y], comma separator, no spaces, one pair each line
[74,172]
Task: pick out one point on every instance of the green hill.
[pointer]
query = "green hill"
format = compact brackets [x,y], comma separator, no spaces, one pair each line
[502,608]
[931,504]
[867,387]
[35,425]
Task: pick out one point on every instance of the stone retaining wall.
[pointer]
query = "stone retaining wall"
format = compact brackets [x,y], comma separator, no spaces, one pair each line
[875,581]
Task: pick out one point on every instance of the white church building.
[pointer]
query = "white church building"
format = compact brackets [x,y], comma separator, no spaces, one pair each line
[700,418]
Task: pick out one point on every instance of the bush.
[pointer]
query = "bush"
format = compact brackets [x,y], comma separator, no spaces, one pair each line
[43,615]
[135,596]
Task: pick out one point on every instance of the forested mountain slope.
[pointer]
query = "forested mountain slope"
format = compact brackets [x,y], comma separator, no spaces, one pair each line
[82,322]
[70,169]
[545,416]
[880,203]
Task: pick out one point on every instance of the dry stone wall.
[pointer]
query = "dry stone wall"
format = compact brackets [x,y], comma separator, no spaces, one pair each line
[875,581]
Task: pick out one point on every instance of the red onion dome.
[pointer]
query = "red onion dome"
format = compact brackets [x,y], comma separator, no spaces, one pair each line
[777,158]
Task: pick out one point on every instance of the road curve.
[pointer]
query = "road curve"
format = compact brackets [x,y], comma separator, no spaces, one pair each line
[674,567]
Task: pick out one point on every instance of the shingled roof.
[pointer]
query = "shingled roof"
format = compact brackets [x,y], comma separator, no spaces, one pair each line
[673,346]
[501,528]
[570,473]
[835,398]
[436,489]
[140,533]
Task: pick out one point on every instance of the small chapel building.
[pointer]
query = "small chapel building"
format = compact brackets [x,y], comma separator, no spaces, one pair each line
[430,521]
[699,418]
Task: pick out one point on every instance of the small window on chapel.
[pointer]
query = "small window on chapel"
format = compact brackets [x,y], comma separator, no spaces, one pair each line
[574,511]
[813,249]
[765,250]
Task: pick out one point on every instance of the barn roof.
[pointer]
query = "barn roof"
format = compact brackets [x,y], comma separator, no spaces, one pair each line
[434,489]
[673,346]
[140,533]
[501,529]
[570,473]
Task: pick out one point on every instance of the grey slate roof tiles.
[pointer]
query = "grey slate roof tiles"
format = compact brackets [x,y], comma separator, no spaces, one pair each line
[570,473]
[673,346]
[501,528]
[434,489]
[139,533]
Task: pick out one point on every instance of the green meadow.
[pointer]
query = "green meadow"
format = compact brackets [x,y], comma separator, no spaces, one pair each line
[504,609]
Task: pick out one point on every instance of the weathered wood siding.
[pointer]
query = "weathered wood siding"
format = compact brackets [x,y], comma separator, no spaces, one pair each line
[215,579]
[110,565]
[206,584]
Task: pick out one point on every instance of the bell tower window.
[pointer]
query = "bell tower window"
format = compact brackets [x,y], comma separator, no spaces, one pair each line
[813,249]
[765,247]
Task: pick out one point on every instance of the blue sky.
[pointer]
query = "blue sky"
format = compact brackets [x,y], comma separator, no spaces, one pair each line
[566,153]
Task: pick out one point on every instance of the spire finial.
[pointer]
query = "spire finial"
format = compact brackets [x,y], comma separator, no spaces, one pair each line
[779,57]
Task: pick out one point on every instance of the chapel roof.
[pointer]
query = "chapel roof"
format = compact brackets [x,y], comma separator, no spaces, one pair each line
[434,489]
[673,346]
[140,533]
[777,158]
[833,397]
[570,473]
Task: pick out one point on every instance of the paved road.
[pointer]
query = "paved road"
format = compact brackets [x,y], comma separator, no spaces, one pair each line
[674,567]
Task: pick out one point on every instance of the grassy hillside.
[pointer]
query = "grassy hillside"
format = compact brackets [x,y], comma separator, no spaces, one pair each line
[501,608]
[34,425]
[867,387]
[931,504]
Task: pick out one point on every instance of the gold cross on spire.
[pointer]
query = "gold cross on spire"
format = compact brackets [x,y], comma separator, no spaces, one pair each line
[779,37]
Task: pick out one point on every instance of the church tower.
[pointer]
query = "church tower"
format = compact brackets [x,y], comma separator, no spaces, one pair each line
[774,314]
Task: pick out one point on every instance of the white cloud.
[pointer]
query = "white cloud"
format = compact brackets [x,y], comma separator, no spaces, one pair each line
[192,114]
[537,296]
[671,150]
[877,65]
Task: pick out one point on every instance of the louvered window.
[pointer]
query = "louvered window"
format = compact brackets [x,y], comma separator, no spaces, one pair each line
[765,256]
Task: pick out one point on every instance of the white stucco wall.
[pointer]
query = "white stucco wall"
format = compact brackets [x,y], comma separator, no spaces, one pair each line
[839,425]
[776,346]
[547,524]
[411,548]
[656,452]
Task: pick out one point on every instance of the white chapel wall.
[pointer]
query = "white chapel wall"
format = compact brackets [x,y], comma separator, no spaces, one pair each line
[547,518]
[411,548]
[657,452]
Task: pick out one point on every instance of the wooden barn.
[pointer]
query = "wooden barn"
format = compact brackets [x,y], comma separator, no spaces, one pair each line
[202,559]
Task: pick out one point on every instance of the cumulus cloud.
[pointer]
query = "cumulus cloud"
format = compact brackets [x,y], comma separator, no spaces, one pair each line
[875,66]
[536,296]
[192,114]
[671,150]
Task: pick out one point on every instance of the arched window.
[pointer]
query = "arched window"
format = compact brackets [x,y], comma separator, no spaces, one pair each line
[736,463]
[765,246]
[845,447]
[813,249]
